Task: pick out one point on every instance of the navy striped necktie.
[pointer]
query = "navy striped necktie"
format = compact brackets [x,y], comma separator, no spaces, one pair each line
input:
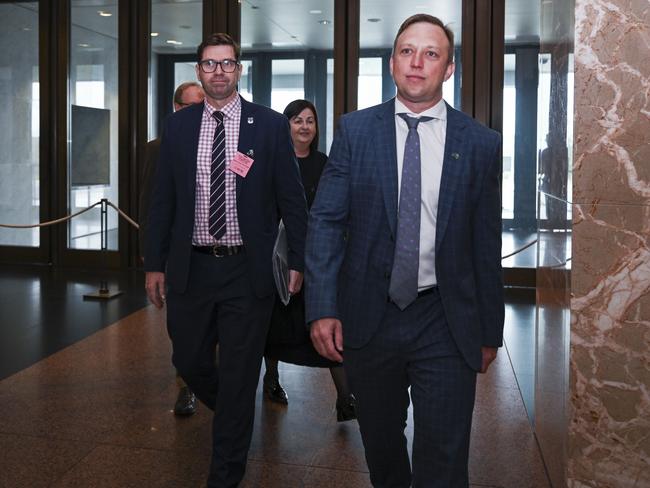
[217,215]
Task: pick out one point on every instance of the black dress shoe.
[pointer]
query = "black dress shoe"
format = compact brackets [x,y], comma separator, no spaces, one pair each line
[273,391]
[346,408]
[185,403]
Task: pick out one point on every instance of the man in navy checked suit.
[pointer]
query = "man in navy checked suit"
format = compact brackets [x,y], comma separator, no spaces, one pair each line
[452,328]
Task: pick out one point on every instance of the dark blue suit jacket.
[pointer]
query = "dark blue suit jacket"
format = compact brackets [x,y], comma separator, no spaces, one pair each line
[272,185]
[352,226]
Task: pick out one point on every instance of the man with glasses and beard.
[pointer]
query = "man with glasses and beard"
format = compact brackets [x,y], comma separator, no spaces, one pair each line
[226,175]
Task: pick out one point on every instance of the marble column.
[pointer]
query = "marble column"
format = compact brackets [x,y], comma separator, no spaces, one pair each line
[609,400]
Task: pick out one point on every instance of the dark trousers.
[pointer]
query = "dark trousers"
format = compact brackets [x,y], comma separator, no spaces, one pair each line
[220,307]
[413,348]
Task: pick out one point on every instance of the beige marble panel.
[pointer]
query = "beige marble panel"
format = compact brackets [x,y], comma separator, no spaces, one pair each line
[609,431]
[612,102]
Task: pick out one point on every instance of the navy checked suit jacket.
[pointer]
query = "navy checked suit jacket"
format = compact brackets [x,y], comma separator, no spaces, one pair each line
[352,226]
[272,185]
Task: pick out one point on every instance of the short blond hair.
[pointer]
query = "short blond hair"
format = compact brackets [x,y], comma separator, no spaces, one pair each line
[430,19]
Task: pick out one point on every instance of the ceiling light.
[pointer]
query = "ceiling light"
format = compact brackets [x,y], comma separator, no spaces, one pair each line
[104,13]
[173,42]
[324,22]
[83,44]
[154,34]
[315,12]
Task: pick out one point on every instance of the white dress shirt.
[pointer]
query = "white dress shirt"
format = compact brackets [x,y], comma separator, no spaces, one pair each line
[432,149]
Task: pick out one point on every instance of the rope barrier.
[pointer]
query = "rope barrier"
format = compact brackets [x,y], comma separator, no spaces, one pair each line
[126,217]
[135,224]
[517,251]
[51,222]
[71,216]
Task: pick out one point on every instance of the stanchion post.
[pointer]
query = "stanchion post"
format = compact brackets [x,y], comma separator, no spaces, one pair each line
[104,292]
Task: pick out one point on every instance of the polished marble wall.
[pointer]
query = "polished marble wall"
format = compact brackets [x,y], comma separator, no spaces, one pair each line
[609,398]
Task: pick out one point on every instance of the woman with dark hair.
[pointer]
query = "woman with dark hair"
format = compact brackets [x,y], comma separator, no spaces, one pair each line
[288,338]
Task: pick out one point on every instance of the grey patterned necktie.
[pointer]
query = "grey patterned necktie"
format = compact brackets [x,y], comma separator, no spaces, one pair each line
[217,215]
[403,289]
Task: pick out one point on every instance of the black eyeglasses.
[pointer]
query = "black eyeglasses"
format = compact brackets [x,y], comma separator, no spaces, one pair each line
[210,65]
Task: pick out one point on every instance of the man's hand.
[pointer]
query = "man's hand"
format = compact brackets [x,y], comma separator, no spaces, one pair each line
[155,286]
[489,355]
[295,281]
[327,337]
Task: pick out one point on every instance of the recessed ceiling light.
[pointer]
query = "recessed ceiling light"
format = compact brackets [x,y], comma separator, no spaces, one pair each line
[104,13]
[315,12]
[324,22]
[83,44]
[155,34]
[374,19]
[174,42]
[27,29]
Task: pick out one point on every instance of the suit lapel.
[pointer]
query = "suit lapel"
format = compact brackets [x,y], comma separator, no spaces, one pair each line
[192,145]
[247,127]
[451,171]
[388,168]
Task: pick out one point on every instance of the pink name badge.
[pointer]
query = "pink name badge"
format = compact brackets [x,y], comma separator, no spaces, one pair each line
[240,164]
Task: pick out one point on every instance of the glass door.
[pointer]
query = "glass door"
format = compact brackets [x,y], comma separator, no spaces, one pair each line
[92,123]
[19,124]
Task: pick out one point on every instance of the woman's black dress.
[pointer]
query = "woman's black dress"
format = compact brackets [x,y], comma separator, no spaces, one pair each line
[288,340]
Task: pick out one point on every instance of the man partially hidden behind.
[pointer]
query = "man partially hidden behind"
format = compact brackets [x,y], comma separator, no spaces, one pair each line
[226,175]
[403,267]
[186,94]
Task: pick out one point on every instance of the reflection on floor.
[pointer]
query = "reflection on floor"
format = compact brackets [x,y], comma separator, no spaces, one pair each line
[554,249]
[519,339]
[43,310]
[98,414]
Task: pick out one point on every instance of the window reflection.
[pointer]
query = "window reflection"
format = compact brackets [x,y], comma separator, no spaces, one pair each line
[176,32]
[287,82]
[537,115]
[370,80]
[19,123]
[246,80]
[508,137]
[287,49]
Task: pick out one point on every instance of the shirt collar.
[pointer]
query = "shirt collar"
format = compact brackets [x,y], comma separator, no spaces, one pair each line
[438,111]
[229,111]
